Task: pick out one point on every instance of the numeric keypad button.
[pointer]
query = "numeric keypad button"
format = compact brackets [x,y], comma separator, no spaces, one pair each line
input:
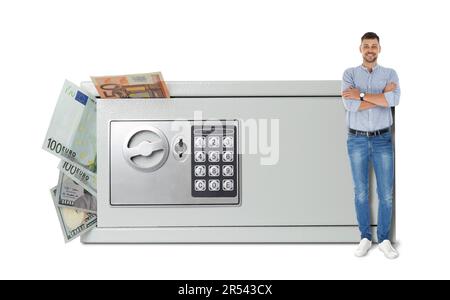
[228,170]
[213,156]
[228,156]
[228,185]
[200,185]
[199,156]
[228,141]
[214,185]
[199,142]
[214,171]
[200,171]
[213,142]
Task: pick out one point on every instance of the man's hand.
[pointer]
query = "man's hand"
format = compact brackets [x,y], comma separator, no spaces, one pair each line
[390,87]
[351,94]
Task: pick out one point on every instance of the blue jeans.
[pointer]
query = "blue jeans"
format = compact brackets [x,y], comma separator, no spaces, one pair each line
[376,149]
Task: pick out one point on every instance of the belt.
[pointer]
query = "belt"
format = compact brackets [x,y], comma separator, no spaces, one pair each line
[368,133]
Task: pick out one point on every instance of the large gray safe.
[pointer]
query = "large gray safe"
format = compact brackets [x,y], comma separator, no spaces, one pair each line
[226,162]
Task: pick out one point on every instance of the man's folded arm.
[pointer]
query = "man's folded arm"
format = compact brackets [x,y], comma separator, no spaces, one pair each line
[390,97]
[347,82]
[393,97]
[366,105]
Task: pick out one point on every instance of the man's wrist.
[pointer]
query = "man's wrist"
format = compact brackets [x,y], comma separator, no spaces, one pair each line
[361,96]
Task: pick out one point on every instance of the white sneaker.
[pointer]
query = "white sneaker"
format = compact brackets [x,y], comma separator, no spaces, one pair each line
[363,248]
[388,250]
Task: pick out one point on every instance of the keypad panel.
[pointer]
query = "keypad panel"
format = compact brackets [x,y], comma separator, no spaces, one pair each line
[214,163]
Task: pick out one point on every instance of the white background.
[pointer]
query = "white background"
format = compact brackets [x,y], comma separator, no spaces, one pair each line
[44,42]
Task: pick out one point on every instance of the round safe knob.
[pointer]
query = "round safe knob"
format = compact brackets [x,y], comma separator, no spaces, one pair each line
[146,149]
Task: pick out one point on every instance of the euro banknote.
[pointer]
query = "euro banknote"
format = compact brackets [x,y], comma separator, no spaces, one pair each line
[72,132]
[82,176]
[148,85]
[73,222]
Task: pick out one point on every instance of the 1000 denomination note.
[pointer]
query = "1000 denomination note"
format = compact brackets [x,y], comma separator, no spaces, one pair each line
[73,222]
[82,176]
[71,194]
[72,132]
[149,85]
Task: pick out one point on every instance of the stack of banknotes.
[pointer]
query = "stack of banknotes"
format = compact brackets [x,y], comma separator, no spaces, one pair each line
[72,137]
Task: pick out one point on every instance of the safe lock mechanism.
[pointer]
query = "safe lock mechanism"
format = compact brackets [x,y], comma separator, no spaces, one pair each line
[180,149]
[174,162]
[215,161]
[147,149]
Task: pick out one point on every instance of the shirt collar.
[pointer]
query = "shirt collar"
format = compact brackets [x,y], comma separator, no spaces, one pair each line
[374,68]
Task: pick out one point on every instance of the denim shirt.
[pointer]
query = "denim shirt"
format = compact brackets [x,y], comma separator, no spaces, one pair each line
[370,83]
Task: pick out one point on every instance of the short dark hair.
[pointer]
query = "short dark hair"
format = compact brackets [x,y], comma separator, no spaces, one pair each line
[370,36]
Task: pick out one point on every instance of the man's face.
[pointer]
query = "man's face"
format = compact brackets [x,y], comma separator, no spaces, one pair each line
[369,49]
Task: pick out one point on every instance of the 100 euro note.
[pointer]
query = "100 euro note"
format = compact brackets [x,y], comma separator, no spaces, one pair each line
[82,176]
[71,194]
[72,133]
[147,85]
[73,222]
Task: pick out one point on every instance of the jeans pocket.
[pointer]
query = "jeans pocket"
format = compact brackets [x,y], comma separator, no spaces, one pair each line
[386,136]
[383,141]
[355,142]
[351,135]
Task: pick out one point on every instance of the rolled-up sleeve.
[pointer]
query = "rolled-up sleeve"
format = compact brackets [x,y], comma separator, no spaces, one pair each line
[393,98]
[347,82]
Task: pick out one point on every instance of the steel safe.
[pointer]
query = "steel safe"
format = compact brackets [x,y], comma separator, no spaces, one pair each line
[226,162]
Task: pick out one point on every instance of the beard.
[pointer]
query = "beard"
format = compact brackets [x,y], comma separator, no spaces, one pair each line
[370,60]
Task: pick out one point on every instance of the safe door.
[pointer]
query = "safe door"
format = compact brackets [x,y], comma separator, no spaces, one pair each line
[174,162]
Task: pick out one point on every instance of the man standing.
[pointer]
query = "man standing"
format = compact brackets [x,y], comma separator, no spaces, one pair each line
[369,91]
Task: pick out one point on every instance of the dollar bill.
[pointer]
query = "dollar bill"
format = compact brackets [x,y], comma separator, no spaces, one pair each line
[71,194]
[149,85]
[85,178]
[72,132]
[73,222]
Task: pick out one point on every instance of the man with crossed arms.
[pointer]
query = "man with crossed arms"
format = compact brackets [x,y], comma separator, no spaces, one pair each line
[368,92]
